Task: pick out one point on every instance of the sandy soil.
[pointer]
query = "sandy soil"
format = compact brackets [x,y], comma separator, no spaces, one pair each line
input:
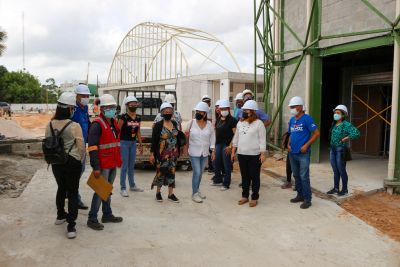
[380,210]
[35,123]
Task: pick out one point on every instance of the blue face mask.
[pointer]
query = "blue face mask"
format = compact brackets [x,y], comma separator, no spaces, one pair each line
[337,117]
[110,113]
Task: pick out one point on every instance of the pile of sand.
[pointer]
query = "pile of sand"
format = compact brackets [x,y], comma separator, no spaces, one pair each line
[11,129]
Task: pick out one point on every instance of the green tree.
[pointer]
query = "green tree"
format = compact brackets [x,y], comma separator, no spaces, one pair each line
[52,91]
[20,87]
[3,37]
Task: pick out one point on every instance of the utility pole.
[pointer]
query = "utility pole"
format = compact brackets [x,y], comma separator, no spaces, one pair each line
[23,42]
[87,74]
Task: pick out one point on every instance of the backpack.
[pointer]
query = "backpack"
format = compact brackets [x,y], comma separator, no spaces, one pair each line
[53,147]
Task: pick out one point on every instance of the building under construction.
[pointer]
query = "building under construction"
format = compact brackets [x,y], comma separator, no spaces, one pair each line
[330,52]
[334,52]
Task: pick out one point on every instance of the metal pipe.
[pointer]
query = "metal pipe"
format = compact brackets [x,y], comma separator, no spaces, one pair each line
[308,58]
[276,73]
[395,104]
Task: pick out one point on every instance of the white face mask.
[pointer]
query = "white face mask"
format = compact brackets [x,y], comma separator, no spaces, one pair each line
[84,101]
[224,113]
[294,111]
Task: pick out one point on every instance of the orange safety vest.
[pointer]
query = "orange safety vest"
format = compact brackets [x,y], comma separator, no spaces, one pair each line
[109,147]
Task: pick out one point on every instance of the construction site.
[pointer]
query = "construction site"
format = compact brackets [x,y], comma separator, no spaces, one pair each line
[328,52]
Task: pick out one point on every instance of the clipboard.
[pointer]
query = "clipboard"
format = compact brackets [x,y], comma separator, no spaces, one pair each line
[100,186]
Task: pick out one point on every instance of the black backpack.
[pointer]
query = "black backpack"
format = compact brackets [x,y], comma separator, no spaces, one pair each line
[53,147]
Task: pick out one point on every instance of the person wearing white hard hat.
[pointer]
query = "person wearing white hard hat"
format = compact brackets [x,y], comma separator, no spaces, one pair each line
[225,129]
[201,137]
[238,105]
[341,132]
[165,151]
[250,144]
[248,95]
[67,174]
[129,125]
[105,158]
[81,116]
[170,98]
[303,132]
[206,99]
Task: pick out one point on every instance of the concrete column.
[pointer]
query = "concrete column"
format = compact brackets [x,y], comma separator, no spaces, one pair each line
[393,179]
[224,90]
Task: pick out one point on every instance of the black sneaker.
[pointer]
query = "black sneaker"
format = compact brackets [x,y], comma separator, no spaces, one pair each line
[159,197]
[111,219]
[343,192]
[173,198]
[305,205]
[71,234]
[82,206]
[332,191]
[95,225]
[297,200]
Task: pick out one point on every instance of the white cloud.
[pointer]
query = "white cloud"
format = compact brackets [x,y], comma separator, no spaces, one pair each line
[62,36]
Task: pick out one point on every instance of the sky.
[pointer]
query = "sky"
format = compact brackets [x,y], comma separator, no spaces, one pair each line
[61,37]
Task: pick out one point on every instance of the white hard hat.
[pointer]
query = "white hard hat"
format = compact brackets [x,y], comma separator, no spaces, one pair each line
[82,89]
[67,98]
[224,103]
[342,108]
[165,105]
[107,100]
[296,101]
[239,96]
[205,98]
[250,104]
[201,106]
[170,98]
[130,98]
[217,103]
[247,91]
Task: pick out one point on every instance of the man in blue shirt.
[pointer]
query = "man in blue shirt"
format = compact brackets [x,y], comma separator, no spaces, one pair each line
[248,95]
[81,116]
[303,132]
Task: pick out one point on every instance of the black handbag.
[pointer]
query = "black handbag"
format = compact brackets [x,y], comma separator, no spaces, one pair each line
[181,139]
[347,154]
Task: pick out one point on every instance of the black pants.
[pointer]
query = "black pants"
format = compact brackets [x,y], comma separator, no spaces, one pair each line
[67,177]
[250,167]
[210,162]
[288,170]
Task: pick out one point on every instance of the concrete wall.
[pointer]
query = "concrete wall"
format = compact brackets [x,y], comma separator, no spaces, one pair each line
[189,93]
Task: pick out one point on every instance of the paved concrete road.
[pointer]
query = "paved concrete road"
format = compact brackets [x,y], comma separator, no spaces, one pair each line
[215,233]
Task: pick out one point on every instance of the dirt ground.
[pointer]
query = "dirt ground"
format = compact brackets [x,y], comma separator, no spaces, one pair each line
[16,173]
[381,210]
[36,123]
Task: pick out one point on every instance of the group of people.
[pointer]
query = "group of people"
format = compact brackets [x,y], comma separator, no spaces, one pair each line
[215,141]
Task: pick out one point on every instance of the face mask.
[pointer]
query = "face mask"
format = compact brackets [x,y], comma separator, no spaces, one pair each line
[337,117]
[245,115]
[198,116]
[248,98]
[132,109]
[72,112]
[224,113]
[167,117]
[84,101]
[110,113]
[239,105]
[294,111]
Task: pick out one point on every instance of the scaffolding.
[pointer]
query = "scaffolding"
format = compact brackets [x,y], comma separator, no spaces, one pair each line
[269,26]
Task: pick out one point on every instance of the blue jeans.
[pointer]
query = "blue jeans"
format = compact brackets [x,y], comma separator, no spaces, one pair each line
[222,163]
[128,156]
[339,167]
[198,165]
[109,175]
[300,164]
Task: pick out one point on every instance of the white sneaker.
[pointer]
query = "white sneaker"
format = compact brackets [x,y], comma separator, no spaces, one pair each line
[201,195]
[59,221]
[124,193]
[224,188]
[215,184]
[136,189]
[71,235]
[196,198]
